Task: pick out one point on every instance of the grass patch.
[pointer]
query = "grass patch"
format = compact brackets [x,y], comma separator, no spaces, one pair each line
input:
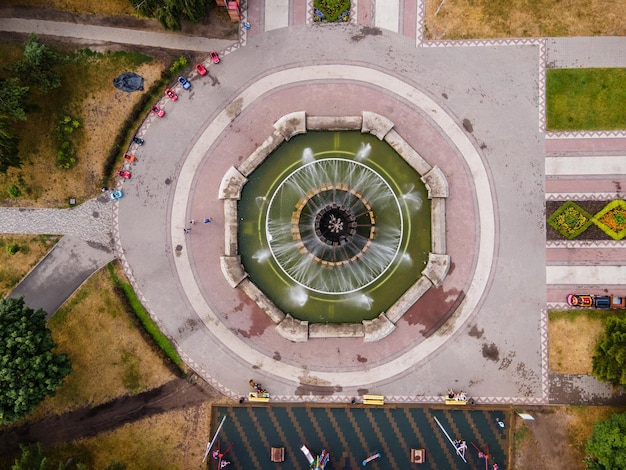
[475,19]
[572,338]
[94,7]
[585,99]
[30,249]
[169,441]
[143,316]
[96,104]
[110,356]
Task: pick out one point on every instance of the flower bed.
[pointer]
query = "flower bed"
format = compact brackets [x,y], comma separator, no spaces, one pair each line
[612,219]
[570,220]
[332,10]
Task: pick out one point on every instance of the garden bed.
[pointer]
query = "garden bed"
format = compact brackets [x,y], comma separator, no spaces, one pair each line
[593,232]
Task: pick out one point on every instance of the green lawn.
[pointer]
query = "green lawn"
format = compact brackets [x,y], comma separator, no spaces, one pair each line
[585,99]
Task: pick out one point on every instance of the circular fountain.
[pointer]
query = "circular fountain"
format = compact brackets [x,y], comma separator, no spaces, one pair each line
[323,224]
[334,227]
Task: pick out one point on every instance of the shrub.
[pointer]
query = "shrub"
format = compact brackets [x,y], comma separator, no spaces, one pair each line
[332,10]
[14,191]
[179,64]
[12,249]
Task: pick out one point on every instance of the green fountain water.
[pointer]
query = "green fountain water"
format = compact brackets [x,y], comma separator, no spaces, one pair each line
[334,227]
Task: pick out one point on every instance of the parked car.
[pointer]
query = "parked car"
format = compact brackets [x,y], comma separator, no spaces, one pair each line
[580,300]
[201,70]
[158,111]
[184,82]
[117,194]
[123,174]
[214,57]
[138,141]
[129,157]
[170,94]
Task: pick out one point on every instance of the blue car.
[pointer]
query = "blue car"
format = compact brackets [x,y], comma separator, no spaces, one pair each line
[184,82]
[117,194]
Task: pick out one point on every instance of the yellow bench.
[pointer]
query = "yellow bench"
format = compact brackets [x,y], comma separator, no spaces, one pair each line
[373,399]
[257,396]
[453,401]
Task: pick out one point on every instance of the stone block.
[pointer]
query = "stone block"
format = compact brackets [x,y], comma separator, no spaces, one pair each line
[334,123]
[336,330]
[436,182]
[293,330]
[231,184]
[437,268]
[233,270]
[376,124]
[408,153]
[378,328]
[291,124]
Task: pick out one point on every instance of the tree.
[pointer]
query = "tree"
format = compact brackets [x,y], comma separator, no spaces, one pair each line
[29,370]
[38,65]
[607,444]
[609,358]
[171,12]
[12,96]
[9,155]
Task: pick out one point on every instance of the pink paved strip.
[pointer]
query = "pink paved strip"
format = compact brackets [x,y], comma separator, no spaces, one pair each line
[365,15]
[584,184]
[586,255]
[559,146]
[559,293]
[298,11]
[256,17]
[409,18]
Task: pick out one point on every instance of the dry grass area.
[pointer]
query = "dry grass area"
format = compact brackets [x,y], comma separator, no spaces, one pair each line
[475,19]
[14,267]
[98,105]
[172,440]
[94,7]
[557,438]
[110,356]
[571,343]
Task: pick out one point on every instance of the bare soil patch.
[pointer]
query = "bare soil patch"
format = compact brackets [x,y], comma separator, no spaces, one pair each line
[14,267]
[557,438]
[572,342]
[476,19]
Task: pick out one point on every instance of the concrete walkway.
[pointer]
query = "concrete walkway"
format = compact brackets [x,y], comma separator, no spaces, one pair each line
[103,35]
[92,221]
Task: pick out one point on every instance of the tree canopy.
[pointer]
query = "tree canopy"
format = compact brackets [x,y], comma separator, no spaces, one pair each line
[609,358]
[607,444]
[171,12]
[38,66]
[29,370]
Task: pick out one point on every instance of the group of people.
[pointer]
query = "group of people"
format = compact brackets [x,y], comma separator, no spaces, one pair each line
[456,396]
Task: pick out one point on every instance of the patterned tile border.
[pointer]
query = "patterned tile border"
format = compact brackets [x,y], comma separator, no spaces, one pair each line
[545,369]
[586,244]
[582,196]
[586,135]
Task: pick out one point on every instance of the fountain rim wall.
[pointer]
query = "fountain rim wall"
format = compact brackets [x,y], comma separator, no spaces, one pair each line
[433,274]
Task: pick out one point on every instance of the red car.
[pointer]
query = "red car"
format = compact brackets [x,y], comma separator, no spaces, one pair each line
[214,57]
[158,111]
[170,94]
[123,174]
[201,70]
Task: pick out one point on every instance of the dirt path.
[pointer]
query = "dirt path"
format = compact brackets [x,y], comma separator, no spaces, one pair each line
[88,422]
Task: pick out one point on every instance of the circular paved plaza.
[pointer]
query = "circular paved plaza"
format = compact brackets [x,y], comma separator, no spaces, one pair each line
[460,109]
